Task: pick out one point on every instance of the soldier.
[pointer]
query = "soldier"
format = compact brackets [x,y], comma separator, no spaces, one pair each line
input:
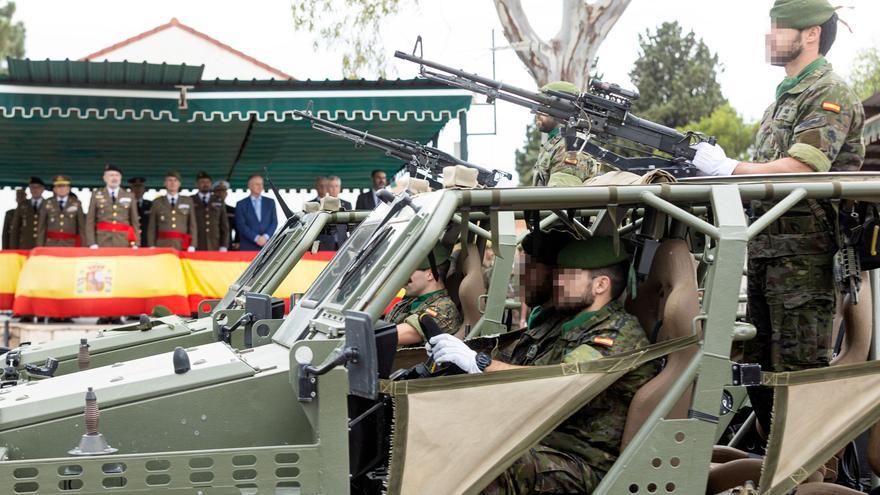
[555,166]
[172,218]
[112,220]
[62,221]
[590,278]
[426,292]
[211,219]
[221,189]
[814,125]
[24,221]
[20,197]
[138,187]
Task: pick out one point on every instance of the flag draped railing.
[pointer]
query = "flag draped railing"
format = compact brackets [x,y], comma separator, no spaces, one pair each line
[67,282]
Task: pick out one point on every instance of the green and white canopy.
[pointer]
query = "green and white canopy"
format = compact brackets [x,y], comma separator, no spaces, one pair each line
[73,117]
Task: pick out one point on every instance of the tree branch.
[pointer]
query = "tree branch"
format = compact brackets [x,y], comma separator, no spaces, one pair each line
[530,48]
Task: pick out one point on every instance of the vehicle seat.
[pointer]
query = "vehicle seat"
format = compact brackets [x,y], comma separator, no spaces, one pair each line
[668,295]
[470,287]
[857,337]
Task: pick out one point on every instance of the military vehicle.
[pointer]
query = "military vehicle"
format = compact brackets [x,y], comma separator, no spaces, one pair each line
[312,408]
[247,301]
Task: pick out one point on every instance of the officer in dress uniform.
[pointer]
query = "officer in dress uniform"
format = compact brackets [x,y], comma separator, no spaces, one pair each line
[20,197]
[62,221]
[221,189]
[211,219]
[138,186]
[24,220]
[112,220]
[172,218]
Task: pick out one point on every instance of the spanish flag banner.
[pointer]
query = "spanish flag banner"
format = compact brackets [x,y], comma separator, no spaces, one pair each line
[11,262]
[65,282]
[62,282]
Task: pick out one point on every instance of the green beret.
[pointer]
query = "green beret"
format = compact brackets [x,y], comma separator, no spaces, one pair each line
[594,252]
[202,175]
[441,255]
[800,14]
[561,87]
[543,246]
[173,173]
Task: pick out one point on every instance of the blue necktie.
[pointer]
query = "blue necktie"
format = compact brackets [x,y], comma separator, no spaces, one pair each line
[257,209]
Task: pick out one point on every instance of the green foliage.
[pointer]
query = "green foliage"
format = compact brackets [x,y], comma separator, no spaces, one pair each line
[526,156]
[675,74]
[734,135]
[11,35]
[865,75]
[352,25]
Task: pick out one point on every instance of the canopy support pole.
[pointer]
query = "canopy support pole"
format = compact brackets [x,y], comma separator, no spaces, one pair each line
[241,147]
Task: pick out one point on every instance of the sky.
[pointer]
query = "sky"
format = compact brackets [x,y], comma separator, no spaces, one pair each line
[455,32]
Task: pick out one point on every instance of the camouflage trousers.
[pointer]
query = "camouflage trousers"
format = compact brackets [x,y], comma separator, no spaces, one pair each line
[791,304]
[544,470]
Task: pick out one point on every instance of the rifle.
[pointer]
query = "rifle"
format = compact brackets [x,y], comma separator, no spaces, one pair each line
[599,114]
[422,161]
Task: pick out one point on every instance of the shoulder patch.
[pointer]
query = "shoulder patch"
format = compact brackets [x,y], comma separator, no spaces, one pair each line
[606,341]
[432,312]
[831,107]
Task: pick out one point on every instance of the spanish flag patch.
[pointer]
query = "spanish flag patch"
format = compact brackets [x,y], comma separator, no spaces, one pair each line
[606,341]
[831,107]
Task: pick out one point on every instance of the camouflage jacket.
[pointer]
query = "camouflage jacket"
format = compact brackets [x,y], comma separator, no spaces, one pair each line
[555,166]
[594,433]
[819,122]
[409,309]
[543,327]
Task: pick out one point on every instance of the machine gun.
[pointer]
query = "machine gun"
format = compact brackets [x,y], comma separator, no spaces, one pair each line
[422,161]
[600,114]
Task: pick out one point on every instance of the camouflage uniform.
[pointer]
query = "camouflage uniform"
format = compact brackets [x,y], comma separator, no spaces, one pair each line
[574,457]
[409,309]
[555,166]
[790,282]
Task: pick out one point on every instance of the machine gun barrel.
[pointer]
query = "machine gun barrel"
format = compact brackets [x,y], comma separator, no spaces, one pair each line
[602,111]
[418,157]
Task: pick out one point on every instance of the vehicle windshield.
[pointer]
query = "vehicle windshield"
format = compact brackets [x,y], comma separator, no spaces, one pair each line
[291,233]
[343,282]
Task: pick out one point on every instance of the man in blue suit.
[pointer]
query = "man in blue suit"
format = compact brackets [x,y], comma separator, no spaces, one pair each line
[255,217]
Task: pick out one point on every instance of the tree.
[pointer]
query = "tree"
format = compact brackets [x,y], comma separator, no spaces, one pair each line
[11,35]
[526,156]
[353,24]
[865,75]
[675,74]
[733,134]
[568,55]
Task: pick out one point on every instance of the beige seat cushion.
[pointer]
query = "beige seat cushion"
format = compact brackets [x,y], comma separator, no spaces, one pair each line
[668,294]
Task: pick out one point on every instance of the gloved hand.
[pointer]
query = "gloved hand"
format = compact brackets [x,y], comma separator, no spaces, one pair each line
[447,349]
[93,246]
[712,160]
[223,249]
[191,249]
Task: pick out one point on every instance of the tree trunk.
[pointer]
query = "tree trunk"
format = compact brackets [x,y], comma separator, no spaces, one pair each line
[569,54]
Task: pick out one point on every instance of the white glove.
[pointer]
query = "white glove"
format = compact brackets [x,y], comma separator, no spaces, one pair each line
[93,246]
[191,249]
[447,349]
[134,246]
[223,249]
[712,160]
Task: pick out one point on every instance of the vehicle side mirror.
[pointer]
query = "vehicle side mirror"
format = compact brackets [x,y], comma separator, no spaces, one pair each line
[363,368]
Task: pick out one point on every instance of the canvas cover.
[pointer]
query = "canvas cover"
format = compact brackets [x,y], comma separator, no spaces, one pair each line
[455,434]
[816,413]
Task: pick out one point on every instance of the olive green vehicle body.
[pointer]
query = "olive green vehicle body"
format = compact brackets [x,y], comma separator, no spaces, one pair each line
[234,424]
[263,276]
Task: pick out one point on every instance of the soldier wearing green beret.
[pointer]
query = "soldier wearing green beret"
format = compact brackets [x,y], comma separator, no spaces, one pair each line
[590,279]
[556,166]
[173,218]
[814,125]
[426,293]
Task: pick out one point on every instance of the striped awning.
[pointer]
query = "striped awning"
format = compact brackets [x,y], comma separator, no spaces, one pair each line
[228,128]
